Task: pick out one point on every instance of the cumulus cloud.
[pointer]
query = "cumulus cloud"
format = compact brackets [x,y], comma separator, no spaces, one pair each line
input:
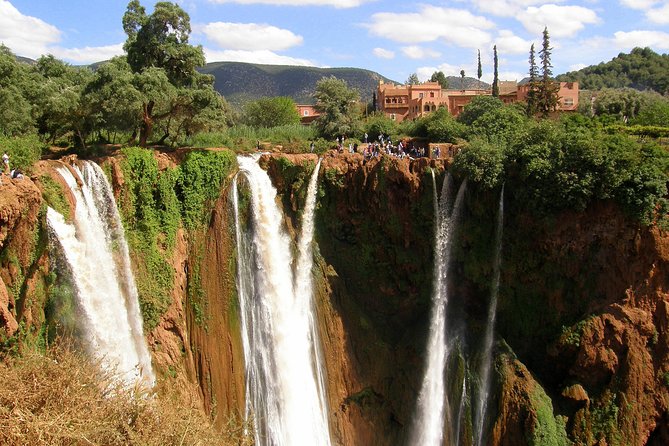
[562,21]
[260,57]
[432,23]
[639,4]
[88,54]
[508,43]
[418,52]
[25,35]
[249,36]
[628,40]
[506,8]
[383,53]
[659,15]
[333,3]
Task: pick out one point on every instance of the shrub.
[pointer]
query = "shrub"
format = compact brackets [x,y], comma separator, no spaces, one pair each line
[24,151]
[480,162]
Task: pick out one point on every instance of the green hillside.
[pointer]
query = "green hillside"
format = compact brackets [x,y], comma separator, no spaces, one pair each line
[642,69]
[242,82]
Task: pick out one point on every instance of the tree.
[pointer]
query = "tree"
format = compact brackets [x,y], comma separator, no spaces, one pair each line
[548,90]
[337,105]
[495,78]
[271,112]
[478,106]
[479,70]
[532,93]
[439,76]
[159,42]
[413,79]
[462,79]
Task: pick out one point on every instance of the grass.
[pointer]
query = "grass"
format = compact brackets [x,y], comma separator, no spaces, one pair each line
[61,398]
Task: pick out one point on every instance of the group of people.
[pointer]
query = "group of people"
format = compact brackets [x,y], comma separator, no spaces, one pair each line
[13,173]
[385,146]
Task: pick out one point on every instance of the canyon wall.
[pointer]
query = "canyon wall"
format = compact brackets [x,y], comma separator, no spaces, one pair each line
[583,313]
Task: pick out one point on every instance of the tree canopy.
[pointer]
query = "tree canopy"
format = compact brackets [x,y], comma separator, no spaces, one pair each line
[271,112]
[338,108]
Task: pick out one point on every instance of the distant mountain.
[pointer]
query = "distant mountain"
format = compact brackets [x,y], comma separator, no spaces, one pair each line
[642,69]
[242,82]
[455,83]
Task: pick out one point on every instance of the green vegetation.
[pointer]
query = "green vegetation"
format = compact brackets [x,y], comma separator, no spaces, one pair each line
[54,196]
[549,430]
[24,151]
[336,103]
[271,112]
[642,69]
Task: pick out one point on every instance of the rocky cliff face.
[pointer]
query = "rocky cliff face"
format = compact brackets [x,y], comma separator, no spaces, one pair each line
[583,313]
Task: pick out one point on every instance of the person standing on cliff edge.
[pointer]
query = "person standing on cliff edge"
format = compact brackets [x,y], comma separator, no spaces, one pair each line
[5,162]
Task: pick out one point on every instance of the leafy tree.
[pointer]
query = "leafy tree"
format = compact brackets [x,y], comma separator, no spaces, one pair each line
[477,107]
[623,104]
[15,109]
[495,74]
[548,90]
[500,124]
[379,123]
[442,127]
[439,76]
[479,70]
[481,162]
[159,42]
[462,79]
[336,103]
[413,79]
[271,112]
[654,112]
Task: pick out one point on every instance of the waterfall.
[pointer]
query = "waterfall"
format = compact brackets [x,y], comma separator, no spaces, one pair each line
[484,374]
[96,251]
[285,391]
[433,402]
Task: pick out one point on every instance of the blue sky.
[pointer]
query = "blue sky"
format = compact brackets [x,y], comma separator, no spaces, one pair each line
[395,38]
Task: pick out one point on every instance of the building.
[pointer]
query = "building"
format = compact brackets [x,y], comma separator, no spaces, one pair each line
[307,113]
[400,102]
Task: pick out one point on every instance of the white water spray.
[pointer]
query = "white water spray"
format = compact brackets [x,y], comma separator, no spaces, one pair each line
[95,248]
[484,375]
[284,381]
[433,403]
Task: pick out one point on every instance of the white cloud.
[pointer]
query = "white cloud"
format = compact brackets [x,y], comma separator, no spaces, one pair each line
[431,23]
[383,53]
[260,57]
[25,35]
[639,4]
[249,36]
[334,3]
[577,66]
[508,43]
[88,54]
[418,52]
[628,40]
[659,15]
[506,8]
[562,21]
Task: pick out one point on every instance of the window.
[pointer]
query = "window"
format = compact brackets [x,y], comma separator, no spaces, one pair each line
[568,102]
[432,94]
[426,108]
[392,116]
[420,95]
[306,113]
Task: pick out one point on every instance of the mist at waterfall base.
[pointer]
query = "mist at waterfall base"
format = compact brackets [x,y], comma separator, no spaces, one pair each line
[284,377]
[96,258]
[452,404]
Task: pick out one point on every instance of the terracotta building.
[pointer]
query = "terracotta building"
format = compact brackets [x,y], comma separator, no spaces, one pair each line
[307,113]
[400,102]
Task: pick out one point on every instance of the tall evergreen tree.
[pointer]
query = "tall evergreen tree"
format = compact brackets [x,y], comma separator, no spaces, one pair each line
[479,71]
[413,79]
[495,79]
[548,89]
[439,76]
[532,93]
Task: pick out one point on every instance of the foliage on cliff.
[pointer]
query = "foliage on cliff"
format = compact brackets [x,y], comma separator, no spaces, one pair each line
[61,398]
[155,203]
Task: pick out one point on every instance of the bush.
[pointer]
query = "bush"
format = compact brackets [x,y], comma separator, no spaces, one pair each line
[478,107]
[442,127]
[24,151]
[481,162]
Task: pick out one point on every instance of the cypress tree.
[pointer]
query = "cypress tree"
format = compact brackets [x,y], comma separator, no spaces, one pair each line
[495,79]
[479,72]
[548,93]
[462,79]
[532,93]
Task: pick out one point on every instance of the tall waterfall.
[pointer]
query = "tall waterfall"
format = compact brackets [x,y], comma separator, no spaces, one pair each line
[433,402]
[285,390]
[96,251]
[484,373]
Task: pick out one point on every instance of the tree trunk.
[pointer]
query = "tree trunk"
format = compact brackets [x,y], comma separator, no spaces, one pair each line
[147,124]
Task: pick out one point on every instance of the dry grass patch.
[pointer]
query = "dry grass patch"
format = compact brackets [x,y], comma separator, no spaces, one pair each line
[61,398]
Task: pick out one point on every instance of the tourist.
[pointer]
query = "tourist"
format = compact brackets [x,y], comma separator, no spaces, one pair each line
[366,135]
[5,162]
[311,147]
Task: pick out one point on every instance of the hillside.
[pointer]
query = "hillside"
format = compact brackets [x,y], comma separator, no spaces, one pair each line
[642,69]
[242,82]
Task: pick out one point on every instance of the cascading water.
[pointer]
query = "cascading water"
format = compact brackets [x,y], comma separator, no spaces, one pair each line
[284,383]
[484,374]
[433,402]
[96,251]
